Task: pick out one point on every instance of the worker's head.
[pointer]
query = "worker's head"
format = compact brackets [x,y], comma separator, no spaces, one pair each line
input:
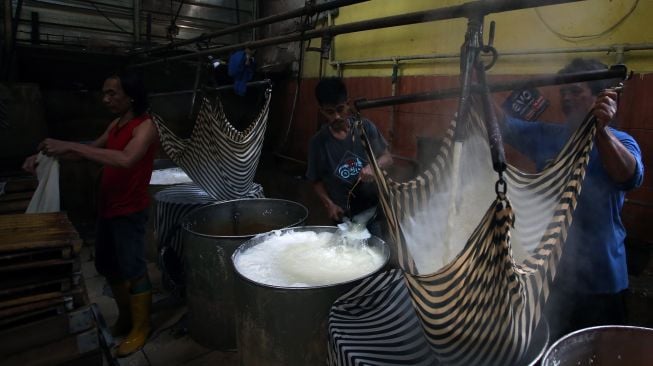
[124,91]
[576,99]
[331,95]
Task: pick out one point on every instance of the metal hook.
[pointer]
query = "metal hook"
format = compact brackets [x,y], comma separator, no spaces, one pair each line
[501,187]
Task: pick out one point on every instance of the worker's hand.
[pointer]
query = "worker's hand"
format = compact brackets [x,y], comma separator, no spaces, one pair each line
[52,147]
[335,212]
[605,108]
[366,174]
[30,164]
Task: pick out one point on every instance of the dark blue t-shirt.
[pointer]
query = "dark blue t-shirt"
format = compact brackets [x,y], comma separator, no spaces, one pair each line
[337,163]
[594,256]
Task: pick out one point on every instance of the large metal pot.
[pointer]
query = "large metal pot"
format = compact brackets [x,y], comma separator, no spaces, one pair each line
[152,241]
[604,345]
[537,347]
[211,234]
[287,326]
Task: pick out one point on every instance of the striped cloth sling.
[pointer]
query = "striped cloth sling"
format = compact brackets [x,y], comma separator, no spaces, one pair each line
[219,158]
[483,306]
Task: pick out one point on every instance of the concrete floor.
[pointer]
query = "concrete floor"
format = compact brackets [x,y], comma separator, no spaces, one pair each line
[169,343]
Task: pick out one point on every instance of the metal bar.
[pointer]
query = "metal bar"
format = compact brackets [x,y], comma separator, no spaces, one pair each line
[458,11]
[35,34]
[211,6]
[196,83]
[491,123]
[121,12]
[259,83]
[615,72]
[435,56]
[306,10]
[137,21]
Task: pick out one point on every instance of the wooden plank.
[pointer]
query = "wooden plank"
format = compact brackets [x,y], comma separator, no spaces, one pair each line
[10,237]
[31,255]
[26,336]
[31,316]
[23,300]
[21,185]
[62,284]
[29,278]
[42,264]
[14,206]
[16,196]
[8,315]
[56,353]
[74,242]
[32,219]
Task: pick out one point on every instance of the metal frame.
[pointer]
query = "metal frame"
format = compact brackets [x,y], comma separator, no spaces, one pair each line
[470,9]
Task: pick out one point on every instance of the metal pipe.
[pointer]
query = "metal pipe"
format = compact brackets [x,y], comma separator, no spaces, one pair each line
[458,11]
[198,72]
[306,10]
[137,21]
[615,72]
[491,123]
[259,83]
[435,56]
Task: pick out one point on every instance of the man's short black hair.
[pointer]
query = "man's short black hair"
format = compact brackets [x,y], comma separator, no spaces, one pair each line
[331,91]
[588,64]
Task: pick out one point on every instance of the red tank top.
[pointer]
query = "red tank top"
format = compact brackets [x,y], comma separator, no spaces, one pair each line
[124,190]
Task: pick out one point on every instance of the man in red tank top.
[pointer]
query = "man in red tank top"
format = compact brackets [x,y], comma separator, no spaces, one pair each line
[126,149]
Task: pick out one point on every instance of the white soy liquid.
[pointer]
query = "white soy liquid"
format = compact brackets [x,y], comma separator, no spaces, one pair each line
[306,259]
[169,176]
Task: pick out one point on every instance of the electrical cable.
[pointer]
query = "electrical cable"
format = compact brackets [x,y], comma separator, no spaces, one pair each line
[571,38]
[105,16]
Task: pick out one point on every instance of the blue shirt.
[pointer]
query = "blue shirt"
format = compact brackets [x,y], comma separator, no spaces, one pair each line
[594,256]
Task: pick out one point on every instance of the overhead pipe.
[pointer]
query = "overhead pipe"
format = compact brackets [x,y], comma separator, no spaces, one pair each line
[615,72]
[306,10]
[266,82]
[137,21]
[617,49]
[473,8]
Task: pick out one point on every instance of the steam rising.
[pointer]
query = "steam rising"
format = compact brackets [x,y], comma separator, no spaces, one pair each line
[438,233]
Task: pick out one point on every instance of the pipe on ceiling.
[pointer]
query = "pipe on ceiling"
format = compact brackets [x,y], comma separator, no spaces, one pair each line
[470,9]
[306,10]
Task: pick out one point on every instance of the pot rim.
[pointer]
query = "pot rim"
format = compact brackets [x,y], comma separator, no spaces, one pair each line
[385,247]
[185,224]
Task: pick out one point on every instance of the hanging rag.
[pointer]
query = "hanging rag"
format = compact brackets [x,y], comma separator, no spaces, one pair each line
[241,69]
[46,196]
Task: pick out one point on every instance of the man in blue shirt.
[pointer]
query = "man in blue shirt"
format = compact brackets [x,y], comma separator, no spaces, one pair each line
[592,275]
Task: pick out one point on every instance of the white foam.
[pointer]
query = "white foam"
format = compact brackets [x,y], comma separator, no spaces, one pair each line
[169,176]
[307,259]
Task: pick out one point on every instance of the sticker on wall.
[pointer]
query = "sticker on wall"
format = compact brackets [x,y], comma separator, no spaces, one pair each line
[526,104]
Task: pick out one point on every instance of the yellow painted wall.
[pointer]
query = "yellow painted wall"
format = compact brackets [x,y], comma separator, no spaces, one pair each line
[582,25]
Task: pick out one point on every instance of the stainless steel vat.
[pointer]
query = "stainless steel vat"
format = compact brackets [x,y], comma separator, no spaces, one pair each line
[605,345]
[287,326]
[211,234]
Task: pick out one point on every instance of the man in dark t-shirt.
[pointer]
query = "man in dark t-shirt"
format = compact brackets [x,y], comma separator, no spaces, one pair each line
[337,163]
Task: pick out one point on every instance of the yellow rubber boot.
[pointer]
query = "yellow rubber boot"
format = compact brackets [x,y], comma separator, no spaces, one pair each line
[122,297]
[140,310]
